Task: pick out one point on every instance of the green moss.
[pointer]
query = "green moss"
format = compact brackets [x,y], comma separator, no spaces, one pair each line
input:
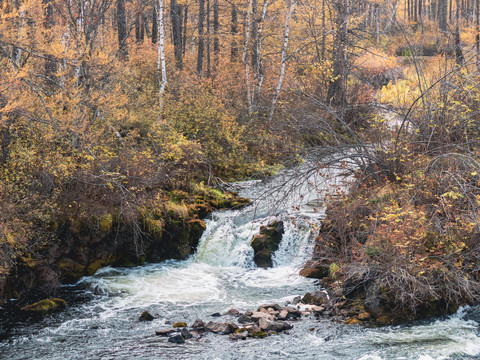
[45,306]
[105,223]
[259,334]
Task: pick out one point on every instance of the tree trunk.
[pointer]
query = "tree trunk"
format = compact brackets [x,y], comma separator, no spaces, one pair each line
[283,59]
[161,67]
[201,43]
[176,15]
[216,43]
[336,94]
[154,25]
[122,30]
[208,39]
[233,32]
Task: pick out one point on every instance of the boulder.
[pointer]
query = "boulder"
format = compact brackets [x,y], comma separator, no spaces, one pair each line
[146,316]
[176,339]
[45,306]
[289,313]
[232,312]
[315,270]
[243,319]
[273,306]
[238,336]
[180,324]
[316,298]
[266,243]
[277,326]
[198,324]
[185,333]
[257,315]
[221,328]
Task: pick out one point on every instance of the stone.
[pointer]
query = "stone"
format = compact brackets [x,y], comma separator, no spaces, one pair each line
[315,270]
[278,326]
[257,315]
[176,339]
[216,314]
[258,334]
[248,313]
[146,316]
[352,321]
[185,333]
[232,312]
[364,316]
[273,306]
[180,324]
[242,319]
[296,300]
[241,336]
[266,243]
[45,306]
[289,313]
[316,298]
[221,328]
[165,332]
[198,324]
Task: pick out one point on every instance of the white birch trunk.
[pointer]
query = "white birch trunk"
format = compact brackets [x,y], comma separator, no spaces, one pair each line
[244,57]
[283,60]
[161,67]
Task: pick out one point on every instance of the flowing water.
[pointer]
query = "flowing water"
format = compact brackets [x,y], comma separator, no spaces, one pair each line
[222,275]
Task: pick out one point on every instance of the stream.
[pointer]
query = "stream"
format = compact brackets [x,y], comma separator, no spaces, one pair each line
[222,275]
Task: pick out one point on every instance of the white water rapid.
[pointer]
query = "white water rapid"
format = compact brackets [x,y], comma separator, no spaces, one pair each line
[222,275]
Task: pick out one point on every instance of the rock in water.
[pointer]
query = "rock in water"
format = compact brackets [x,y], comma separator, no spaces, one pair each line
[317,298]
[277,326]
[185,333]
[180,324]
[221,328]
[176,339]
[146,316]
[165,332]
[45,306]
[266,243]
[198,324]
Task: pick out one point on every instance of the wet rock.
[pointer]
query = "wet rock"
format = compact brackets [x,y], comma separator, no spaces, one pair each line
[352,321]
[232,312]
[45,306]
[315,270]
[364,316]
[146,316]
[243,319]
[241,336]
[266,243]
[257,333]
[316,298]
[176,339]
[165,332]
[257,315]
[185,333]
[248,313]
[289,313]
[221,328]
[216,314]
[278,326]
[273,306]
[180,324]
[198,324]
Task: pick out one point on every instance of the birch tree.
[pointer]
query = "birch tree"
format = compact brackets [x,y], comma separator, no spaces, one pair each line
[283,59]
[161,67]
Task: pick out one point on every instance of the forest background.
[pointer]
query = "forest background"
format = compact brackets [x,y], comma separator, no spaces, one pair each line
[112,110]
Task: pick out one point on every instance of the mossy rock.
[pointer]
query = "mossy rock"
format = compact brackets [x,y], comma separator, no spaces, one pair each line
[315,270]
[45,306]
[266,243]
[180,324]
[259,334]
